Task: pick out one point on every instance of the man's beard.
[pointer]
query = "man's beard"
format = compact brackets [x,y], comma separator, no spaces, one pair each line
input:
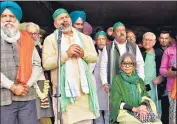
[80,30]
[10,31]
[64,28]
[162,45]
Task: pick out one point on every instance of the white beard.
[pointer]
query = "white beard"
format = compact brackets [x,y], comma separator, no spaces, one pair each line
[68,29]
[10,34]
[10,31]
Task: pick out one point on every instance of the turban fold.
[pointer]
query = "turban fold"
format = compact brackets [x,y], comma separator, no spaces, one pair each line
[77,14]
[58,12]
[13,7]
[100,33]
[118,24]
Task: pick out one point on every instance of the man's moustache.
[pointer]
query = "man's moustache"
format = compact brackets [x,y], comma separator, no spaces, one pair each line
[62,25]
[121,34]
[8,24]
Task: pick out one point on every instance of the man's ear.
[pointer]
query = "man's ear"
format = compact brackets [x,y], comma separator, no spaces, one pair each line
[54,23]
[171,39]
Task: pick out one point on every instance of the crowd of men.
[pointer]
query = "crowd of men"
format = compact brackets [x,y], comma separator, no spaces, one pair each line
[66,77]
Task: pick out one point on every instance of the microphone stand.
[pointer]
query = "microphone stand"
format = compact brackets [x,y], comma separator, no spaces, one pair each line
[57,95]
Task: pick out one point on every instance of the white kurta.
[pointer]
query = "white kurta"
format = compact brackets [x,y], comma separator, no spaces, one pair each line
[122,50]
[80,110]
[103,98]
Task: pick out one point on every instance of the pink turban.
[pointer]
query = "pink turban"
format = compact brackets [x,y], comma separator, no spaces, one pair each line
[87,29]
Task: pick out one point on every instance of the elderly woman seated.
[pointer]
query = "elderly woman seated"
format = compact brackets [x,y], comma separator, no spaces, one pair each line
[129,101]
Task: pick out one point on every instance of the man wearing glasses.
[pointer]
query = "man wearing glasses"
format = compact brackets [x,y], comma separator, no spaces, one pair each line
[152,58]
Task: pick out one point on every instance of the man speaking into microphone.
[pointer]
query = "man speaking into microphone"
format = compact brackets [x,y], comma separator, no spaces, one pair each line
[78,101]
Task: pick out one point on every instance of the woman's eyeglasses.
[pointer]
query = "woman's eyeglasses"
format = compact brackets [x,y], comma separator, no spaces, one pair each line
[130,64]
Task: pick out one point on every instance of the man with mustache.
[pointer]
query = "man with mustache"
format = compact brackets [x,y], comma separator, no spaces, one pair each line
[100,38]
[152,58]
[112,52]
[44,106]
[78,18]
[110,34]
[164,40]
[78,101]
[20,67]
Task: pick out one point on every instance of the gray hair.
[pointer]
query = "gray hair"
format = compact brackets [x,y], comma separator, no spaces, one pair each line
[31,24]
[127,54]
[150,33]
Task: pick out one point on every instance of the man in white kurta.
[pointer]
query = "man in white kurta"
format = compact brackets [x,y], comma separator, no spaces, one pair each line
[103,97]
[107,71]
[79,111]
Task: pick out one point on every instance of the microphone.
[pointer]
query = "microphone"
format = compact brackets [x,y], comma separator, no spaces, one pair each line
[60,33]
[61,26]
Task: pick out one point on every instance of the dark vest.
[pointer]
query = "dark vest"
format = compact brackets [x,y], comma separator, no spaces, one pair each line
[129,46]
[9,67]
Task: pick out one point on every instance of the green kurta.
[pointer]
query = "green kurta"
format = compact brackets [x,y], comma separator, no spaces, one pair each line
[150,75]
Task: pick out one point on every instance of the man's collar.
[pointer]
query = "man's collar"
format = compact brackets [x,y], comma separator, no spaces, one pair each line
[119,43]
[8,39]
